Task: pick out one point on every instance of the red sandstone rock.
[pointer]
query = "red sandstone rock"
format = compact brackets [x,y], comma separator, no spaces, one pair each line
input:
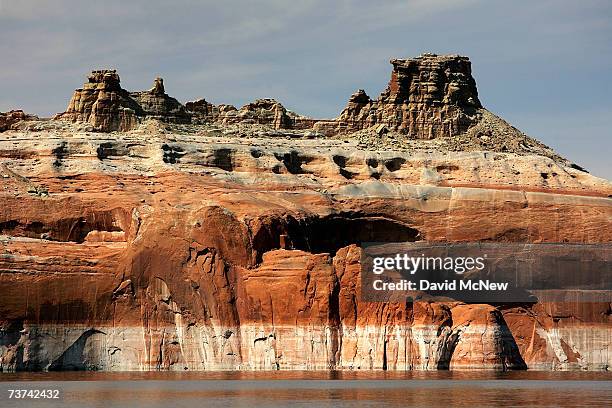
[207,286]
[202,111]
[267,112]
[103,103]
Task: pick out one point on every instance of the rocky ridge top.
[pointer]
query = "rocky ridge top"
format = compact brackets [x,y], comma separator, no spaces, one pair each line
[430,104]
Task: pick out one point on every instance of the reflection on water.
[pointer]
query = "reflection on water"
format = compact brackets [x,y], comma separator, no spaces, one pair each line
[315,389]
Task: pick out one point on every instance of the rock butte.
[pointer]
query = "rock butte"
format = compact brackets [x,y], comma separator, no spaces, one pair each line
[139,233]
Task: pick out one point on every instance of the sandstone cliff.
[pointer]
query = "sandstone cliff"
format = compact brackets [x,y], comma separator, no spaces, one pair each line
[236,245]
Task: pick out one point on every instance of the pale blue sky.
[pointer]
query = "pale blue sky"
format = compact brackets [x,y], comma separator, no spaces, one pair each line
[545,66]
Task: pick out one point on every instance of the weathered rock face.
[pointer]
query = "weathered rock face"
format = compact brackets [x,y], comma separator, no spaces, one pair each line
[108,107]
[103,103]
[175,252]
[202,111]
[262,111]
[427,97]
[359,114]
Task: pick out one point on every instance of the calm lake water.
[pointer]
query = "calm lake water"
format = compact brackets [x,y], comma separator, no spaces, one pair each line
[313,389]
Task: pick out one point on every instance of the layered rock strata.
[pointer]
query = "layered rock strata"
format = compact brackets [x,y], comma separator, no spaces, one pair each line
[156,104]
[11,119]
[267,112]
[102,103]
[200,252]
[207,237]
[108,107]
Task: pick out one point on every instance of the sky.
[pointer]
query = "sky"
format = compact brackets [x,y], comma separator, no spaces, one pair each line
[545,66]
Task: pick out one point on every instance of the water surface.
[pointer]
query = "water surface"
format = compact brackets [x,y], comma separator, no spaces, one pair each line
[314,389]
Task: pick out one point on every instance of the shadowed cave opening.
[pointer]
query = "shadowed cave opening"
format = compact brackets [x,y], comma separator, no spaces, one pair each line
[223,159]
[73,358]
[172,153]
[292,161]
[327,234]
[70,229]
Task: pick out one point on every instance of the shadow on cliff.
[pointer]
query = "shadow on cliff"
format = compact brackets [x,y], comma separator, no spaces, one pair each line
[327,234]
[72,358]
[508,355]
